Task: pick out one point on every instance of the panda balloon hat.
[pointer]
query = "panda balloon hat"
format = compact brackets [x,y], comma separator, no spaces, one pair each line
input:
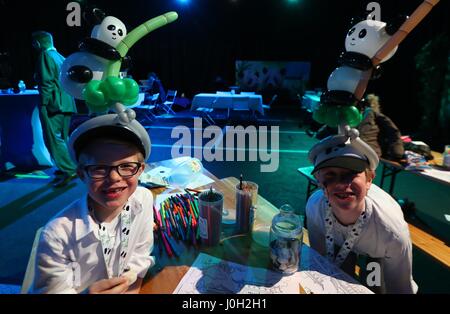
[109,126]
[343,151]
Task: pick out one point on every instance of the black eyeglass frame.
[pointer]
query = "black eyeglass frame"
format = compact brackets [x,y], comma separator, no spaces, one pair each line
[110,168]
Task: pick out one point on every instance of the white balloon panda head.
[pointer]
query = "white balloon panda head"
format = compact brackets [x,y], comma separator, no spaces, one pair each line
[111,31]
[92,59]
[367,37]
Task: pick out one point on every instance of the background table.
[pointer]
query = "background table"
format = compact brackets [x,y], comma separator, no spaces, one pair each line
[228,101]
[436,173]
[21,137]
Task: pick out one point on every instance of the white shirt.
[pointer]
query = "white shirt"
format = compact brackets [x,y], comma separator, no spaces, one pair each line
[385,237]
[69,257]
[113,231]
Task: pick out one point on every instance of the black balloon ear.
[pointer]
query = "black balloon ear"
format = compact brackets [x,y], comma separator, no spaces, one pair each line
[93,15]
[393,26]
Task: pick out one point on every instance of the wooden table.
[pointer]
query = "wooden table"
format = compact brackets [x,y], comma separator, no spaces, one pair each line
[239,248]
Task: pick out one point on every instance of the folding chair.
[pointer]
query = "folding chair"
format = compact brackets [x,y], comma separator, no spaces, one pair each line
[148,105]
[269,105]
[170,100]
[144,85]
[29,273]
[206,114]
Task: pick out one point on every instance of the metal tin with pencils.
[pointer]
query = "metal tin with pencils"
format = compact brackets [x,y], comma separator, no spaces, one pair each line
[246,201]
[210,205]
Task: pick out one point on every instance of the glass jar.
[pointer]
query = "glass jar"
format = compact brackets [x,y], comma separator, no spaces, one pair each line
[286,238]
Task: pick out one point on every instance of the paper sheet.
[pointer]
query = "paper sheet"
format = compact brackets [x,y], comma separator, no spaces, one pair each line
[199,180]
[160,174]
[319,276]
[156,175]
[209,274]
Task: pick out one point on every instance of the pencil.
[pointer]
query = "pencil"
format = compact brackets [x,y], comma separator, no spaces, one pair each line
[301,290]
[188,231]
[172,245]
[166,245]
[192,190]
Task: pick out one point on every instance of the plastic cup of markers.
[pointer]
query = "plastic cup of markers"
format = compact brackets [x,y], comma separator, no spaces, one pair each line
[246,205]
[210,216]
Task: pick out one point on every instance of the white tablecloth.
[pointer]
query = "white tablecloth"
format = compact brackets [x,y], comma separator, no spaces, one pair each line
[228,101]
[21,138]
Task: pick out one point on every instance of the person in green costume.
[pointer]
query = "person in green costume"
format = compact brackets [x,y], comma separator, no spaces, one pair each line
[56,108]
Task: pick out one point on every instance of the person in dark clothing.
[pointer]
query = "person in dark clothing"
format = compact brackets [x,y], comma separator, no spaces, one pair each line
[155,86]
[378,130]
[56,108]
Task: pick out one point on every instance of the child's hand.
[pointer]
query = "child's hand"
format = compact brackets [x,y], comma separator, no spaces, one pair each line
[109,286]
[131,276]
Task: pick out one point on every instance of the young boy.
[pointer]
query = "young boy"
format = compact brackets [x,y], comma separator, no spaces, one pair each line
[100,243]
[350,218]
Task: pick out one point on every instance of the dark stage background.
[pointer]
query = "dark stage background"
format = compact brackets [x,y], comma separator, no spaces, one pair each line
[210,35]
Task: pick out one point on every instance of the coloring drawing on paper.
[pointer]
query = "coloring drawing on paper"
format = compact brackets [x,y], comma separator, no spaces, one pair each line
[212,275]
[320,276]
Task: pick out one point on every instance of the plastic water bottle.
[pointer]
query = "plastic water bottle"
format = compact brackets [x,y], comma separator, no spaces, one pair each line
[22,87]
[446,157]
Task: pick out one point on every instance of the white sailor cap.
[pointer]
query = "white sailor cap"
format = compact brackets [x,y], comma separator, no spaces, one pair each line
[342,151]
[109,125]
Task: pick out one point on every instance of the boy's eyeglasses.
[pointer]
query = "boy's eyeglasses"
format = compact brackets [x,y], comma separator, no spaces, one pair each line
[125,170]
[333,178]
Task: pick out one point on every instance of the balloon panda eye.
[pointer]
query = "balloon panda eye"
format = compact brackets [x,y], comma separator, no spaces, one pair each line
[120,32]
[111,27]
[362,33]
[351,31]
